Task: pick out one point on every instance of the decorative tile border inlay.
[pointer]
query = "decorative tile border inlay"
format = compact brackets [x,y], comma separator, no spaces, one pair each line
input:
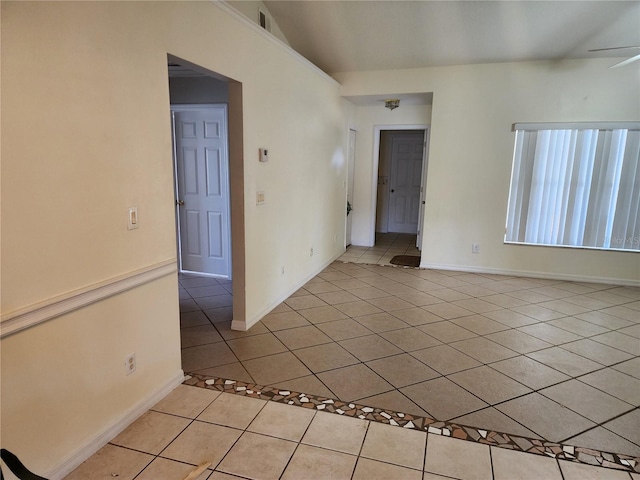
[434,427]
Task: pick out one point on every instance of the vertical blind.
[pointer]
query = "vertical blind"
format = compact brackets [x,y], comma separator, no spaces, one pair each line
[576,185]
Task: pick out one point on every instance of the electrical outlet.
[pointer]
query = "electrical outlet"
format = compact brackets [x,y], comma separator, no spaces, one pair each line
[130,363]
[311,252]
[475,248]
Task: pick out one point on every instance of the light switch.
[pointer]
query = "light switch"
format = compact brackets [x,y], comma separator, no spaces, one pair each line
[259,198]
[264,154]
[133,218]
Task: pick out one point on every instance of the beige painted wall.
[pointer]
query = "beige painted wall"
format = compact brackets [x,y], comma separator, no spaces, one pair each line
[471,151]
[86,135]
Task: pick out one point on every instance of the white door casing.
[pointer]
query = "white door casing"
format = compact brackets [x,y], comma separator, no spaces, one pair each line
[202,188]
[351,160]
[407,153]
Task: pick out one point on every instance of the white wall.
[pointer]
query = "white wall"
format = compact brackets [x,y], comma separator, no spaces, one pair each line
[471,151]
[86,135]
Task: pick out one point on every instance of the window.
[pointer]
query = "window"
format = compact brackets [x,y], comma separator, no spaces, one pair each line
[576,185]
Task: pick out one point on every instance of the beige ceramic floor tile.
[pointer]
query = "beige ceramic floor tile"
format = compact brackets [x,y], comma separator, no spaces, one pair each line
[457,458]
[258,457]
[396,445]
[443,399]
[256,346]
[163,469]
[322,314]
[319,464]
[206,356]
[586,400]
[549,333]
[447,331]
[276,368]
[605,440]
[306,301]
[565,361]
[626,426]
[151,432]
[527,371]
[615,383]
[372,470]
[410,339]
[369,347]
[344,329]
[354,382]
[480,324]
[282,421]
[325,357]
[334,432]
[557,424]
[381,322]
[111,460]
[402,370]
[518,341]
[448,311]
[232,410]
[199,335]
[445,359]
[483,349]
[509,465]
[357,309]
[580,471]
[202,442]
[488,384]
[416,316]
[336,297]
[283,320]
[301,337]
[186,401]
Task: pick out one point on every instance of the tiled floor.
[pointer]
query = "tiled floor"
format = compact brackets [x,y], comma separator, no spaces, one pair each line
[387,246]
[553,360]
[246,437]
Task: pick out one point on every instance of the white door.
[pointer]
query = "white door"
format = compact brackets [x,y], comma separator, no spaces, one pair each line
[202,189]
[407,151]
[423,193]
[351,161]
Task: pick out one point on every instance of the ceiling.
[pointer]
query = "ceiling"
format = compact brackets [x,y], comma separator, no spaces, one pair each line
[362,35]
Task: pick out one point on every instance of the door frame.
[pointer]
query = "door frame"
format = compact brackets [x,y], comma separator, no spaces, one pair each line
[377,129]
[351,169]
[198,107]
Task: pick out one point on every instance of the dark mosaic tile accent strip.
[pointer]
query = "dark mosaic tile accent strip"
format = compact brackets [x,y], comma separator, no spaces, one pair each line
[434,427]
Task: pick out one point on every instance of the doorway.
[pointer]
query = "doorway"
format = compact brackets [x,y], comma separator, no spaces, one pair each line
[400,166]
[214,296]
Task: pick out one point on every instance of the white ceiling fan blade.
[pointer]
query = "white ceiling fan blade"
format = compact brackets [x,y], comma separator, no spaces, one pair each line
[626,62]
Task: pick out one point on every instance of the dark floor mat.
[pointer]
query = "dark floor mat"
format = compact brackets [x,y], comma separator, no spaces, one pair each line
[406,260]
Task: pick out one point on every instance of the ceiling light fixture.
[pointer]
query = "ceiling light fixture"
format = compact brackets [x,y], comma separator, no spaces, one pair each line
[392,103]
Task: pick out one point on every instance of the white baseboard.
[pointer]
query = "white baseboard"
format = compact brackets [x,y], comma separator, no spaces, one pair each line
[533,274]
[250,322]
[71,462]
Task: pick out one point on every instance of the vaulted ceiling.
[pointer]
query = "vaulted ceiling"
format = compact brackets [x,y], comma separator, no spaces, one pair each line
[361,35]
